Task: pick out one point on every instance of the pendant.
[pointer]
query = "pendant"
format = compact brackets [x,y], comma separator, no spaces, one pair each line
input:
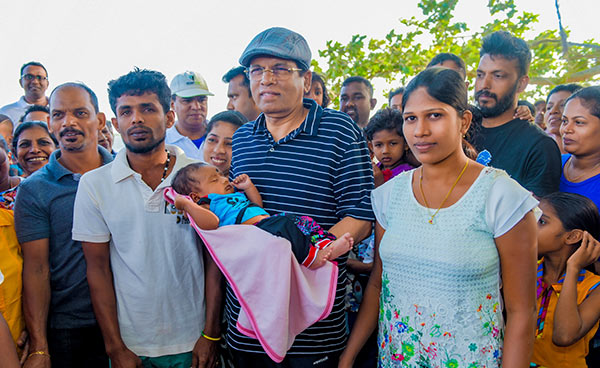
[431,221]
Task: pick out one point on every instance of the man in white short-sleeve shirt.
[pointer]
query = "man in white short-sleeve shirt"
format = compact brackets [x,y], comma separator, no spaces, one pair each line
[131,236]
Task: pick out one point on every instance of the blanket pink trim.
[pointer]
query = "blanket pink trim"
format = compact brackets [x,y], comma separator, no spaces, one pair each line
[279,299]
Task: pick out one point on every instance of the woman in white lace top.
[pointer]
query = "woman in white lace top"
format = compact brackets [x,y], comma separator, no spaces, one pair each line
[450,236]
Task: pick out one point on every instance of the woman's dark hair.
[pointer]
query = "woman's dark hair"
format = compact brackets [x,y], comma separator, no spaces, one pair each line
[317,78]
[443,84]
[575,212]
[447,86]
[384,119]
[182,181]
[26,126]
[590,99]
[230,116]
[571,88]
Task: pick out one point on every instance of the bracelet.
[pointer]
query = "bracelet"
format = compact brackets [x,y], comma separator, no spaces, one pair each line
[210,338]
[39,352]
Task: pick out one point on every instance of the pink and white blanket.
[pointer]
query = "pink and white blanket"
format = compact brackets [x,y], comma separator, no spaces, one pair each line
[279,298]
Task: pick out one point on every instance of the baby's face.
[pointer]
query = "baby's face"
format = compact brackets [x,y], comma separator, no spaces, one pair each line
[210,180]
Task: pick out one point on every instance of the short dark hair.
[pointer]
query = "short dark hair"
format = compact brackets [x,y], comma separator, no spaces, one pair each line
[33,108]
[528,104]
[234,72]
[183,181]
[26,126]
[33,63]
[232,117]
[448,56]
[575,212]
[136,83]
[504,44]
[571,88]
[539,102]
[384,119]
[590,99]
[93,97]
[316,77]
[395,92]
[359,79]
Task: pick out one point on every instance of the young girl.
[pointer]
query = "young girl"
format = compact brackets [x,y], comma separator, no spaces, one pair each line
[568,297]
[213,202]
[445,234]
[384,134]
[219,134]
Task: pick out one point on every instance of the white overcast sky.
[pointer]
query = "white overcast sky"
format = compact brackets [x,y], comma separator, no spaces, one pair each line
[96,41]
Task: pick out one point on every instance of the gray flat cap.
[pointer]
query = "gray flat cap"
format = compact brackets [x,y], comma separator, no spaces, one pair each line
[278,42]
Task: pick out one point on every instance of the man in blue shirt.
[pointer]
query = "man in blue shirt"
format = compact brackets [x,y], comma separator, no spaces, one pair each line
[304,160]
[56,297]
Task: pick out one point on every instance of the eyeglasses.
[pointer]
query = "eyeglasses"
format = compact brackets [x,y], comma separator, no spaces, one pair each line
[30,77]
[256,73]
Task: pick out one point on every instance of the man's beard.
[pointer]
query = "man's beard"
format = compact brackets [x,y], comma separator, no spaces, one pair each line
[148,147]
[504,103]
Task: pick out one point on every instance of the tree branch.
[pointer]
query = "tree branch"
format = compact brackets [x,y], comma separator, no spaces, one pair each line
[563,34]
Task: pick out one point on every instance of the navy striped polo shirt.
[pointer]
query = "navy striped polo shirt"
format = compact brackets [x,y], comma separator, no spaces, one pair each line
[321,169]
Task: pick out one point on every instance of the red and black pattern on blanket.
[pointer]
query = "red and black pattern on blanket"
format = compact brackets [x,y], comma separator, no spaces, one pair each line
[279,297]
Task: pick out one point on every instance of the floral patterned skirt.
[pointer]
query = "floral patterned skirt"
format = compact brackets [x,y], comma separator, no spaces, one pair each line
[438,333]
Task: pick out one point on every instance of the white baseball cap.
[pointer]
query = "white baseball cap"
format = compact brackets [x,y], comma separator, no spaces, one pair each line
[189,84]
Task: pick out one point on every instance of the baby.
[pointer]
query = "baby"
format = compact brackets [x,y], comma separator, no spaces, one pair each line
[210,199]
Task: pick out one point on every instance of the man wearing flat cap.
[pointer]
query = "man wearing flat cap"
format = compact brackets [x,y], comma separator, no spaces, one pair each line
[189,100]
[304,160]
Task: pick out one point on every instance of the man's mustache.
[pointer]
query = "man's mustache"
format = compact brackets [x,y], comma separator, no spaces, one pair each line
[485,93]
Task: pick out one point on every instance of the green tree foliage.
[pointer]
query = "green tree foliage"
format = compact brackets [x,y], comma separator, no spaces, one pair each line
[402,54]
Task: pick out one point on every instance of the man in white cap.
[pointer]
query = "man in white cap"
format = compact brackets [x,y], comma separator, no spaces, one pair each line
[189,100]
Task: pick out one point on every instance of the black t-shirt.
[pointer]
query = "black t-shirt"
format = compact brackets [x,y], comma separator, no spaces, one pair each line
[524,151]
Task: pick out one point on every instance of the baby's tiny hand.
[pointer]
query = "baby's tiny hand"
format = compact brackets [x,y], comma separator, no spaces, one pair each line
[242,182]
[182,201]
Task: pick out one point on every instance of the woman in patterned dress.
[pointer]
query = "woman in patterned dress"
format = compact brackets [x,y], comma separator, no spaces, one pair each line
[450,236]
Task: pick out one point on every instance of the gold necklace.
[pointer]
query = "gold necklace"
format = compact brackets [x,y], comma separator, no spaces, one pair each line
[447,195]
[576,179]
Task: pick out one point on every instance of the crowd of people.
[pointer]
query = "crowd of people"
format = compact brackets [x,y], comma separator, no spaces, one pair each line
[283,233]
